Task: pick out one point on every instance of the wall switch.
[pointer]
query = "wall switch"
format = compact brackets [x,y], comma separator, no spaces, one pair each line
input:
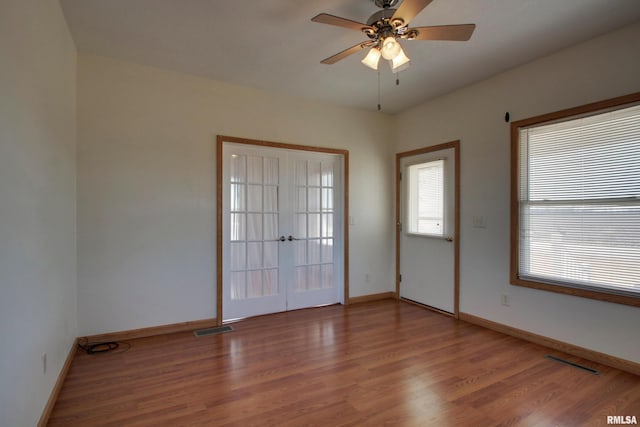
[44,363]
[367,278]
[479,221]
[352,220]
[504,299]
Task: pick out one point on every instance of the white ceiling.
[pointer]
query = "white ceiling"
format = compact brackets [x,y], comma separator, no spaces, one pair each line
[274,46]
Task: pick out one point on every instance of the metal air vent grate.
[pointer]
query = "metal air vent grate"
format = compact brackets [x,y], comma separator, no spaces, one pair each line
[575,365]
[212,331]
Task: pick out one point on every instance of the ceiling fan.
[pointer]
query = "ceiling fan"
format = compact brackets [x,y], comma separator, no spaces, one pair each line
[386,27]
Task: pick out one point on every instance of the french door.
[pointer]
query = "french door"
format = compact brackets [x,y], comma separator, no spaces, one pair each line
[282,225]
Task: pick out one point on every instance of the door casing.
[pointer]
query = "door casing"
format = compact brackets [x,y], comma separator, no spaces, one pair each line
[455,145]
[221,139]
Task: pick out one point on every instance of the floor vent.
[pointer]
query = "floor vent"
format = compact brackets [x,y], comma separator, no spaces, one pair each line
[212,331]
[575,365]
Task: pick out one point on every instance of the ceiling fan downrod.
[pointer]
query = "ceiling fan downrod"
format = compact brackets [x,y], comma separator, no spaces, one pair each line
[385,4]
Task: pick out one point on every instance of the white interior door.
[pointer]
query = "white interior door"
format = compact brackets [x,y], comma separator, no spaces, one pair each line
[281,223]
[252,223]
[317,226]
[427,212]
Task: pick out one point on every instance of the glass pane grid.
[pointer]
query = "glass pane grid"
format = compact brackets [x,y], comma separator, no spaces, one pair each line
[254,219]
[254,263]
[313,221]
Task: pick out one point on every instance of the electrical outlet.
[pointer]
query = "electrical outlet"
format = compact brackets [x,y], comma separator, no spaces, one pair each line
[504,299]
[44,363]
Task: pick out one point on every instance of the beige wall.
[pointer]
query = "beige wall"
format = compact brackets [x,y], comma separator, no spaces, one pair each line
[146,187]
[146,176]
[603,68]
[37,204]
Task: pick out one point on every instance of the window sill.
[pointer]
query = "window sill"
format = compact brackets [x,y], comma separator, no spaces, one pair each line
[584,293]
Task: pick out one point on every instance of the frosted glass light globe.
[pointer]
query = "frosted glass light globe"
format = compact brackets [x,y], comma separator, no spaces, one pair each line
[390,48]
[372,58]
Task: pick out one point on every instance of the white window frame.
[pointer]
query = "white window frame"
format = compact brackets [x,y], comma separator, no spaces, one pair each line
[413,206]
[573,286]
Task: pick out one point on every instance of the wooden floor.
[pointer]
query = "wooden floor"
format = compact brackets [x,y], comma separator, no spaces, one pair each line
[373,364]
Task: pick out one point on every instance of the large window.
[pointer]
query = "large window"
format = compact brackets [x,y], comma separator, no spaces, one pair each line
[576,201]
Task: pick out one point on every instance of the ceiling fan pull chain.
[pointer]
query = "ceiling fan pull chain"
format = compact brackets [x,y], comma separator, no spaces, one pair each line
[379,107]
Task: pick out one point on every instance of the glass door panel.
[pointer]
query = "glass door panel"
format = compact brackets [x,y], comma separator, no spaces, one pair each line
[314,233]
[251,274]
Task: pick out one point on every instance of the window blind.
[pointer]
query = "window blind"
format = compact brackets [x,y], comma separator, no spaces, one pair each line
[579,202]
[426,198]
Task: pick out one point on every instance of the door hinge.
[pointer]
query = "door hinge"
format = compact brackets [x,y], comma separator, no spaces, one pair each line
[399,224]
[400,176]
[401,277]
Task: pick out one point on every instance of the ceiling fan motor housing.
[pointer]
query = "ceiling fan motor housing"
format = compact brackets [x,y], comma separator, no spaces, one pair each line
[380,16]
[381,26]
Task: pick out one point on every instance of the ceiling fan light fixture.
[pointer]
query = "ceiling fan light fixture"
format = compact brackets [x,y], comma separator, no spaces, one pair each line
[400,63]
[390,48]
[372,58]
[386,28]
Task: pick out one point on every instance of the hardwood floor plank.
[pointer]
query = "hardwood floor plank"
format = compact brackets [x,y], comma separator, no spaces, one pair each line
[368,364]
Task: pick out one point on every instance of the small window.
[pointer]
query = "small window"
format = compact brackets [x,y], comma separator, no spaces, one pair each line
[576,207]
[426,198]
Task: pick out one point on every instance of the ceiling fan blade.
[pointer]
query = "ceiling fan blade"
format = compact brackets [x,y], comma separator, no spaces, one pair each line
[325,18]
[445,32]
[409,9]
[350,51]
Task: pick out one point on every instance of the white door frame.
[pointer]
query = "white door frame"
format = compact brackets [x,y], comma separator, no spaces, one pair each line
[455,145]
[221,139]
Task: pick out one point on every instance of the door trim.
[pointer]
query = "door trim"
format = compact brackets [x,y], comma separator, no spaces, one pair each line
[221,139]
[456,233]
